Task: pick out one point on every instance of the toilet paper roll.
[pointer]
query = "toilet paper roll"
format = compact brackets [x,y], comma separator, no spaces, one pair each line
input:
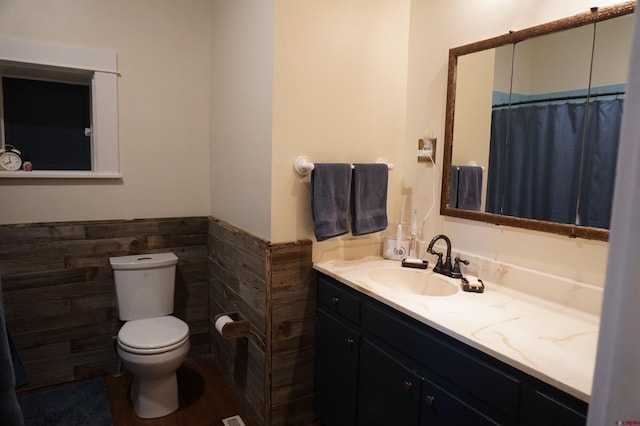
[221,321]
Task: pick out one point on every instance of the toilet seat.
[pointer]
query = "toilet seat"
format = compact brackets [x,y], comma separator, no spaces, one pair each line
[153,335]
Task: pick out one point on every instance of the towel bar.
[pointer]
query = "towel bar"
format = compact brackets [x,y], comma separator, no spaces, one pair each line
[303,165]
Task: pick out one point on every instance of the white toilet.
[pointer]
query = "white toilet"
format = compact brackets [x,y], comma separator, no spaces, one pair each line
[152,344]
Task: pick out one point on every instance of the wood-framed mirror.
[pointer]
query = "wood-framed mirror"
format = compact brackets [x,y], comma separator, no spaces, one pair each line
[532,124]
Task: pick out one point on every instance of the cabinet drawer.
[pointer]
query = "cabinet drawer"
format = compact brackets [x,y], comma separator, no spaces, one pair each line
[446,358]
[336,298]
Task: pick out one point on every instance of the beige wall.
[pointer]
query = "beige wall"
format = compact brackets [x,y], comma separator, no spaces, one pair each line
[557,62]
[242,34]
[436,27]
[339,96]
[561,61]
[339,80]
[613,46]
[163,108]
[321,110]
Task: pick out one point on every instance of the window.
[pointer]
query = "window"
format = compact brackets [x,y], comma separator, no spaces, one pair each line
[49,122]
[59,108]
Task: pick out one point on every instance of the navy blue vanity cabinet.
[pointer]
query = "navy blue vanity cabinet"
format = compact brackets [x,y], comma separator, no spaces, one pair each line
[457,388]
[339,300]
[337,355]
[377,366]
[442,408]
[545,405]
[389,390]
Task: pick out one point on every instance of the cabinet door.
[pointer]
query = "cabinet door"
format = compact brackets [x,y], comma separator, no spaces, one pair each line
[542,409]
[450,359]
[336,381]
[389,392]
[440,407]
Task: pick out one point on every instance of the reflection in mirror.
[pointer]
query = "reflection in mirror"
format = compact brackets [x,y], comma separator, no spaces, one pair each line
[480,75]
[536,146]
[553,179]
[611,56]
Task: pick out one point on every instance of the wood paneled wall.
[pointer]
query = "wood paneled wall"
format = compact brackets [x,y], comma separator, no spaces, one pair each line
[237,265]
[60,298]
[61,309]
[292,297]
[272,286]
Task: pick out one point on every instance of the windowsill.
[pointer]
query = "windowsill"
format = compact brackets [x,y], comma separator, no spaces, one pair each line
[59,174]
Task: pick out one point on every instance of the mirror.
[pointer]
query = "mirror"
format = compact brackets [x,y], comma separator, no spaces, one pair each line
[537,112]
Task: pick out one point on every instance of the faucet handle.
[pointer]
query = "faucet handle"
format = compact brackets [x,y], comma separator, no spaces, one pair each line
[456,273]
[458,261]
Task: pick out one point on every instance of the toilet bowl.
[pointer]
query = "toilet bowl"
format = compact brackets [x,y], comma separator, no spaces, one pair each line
[151,350]
[152,344]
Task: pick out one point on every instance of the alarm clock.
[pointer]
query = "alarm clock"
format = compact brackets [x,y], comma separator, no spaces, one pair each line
[10,158]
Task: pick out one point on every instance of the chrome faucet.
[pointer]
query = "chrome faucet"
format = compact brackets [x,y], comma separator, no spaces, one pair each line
[445,268]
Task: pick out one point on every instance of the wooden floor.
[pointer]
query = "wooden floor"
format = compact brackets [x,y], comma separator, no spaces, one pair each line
[205,398]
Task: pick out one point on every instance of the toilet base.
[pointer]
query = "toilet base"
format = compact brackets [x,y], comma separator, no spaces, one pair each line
[154,390]
[154,397]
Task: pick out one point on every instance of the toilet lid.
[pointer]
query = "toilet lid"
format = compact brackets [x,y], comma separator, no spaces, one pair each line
[153,333]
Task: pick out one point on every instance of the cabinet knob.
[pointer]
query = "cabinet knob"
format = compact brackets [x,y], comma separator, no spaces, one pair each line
[334,300]
[407,385]
[429,400]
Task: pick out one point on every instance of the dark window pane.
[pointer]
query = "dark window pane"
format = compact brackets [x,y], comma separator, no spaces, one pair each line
[46,121]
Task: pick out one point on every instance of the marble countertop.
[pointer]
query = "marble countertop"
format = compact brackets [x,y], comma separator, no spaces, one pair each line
[547,337]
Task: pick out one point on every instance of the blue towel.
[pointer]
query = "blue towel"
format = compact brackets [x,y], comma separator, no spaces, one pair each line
[370,183]
[469,187]
[453,187]
[10,412]
[330,195]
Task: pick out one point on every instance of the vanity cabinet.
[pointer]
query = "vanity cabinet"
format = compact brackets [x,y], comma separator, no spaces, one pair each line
[442,407]
[549,408]
[377,366]
[337,356]
[389,390]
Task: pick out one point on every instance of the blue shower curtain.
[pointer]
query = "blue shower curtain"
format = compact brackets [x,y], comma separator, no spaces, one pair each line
[535,161]
[497,160]
[598,176]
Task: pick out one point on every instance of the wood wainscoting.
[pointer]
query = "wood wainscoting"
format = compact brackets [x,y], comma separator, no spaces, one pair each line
[60,298]
[61,309]
[273,287]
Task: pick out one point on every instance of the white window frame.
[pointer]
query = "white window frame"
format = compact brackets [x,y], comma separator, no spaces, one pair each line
[41,58]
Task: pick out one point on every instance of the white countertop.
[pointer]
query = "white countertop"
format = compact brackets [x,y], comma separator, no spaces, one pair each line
[548,339]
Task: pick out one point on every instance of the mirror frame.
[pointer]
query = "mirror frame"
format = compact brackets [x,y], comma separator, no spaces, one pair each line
[573,231]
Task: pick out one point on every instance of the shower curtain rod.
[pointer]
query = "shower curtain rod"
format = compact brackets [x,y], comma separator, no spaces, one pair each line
[560,98]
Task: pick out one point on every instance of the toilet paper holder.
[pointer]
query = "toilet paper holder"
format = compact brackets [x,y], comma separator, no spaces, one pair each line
[231,325]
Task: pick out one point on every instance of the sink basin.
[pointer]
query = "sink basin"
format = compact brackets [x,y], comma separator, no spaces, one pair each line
[413,281]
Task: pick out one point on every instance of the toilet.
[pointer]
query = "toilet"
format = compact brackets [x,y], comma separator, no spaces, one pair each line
[152,343]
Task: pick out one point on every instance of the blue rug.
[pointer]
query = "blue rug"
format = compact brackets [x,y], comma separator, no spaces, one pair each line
[79,404]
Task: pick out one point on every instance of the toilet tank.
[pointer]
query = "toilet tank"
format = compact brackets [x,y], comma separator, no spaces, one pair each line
[145,284]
